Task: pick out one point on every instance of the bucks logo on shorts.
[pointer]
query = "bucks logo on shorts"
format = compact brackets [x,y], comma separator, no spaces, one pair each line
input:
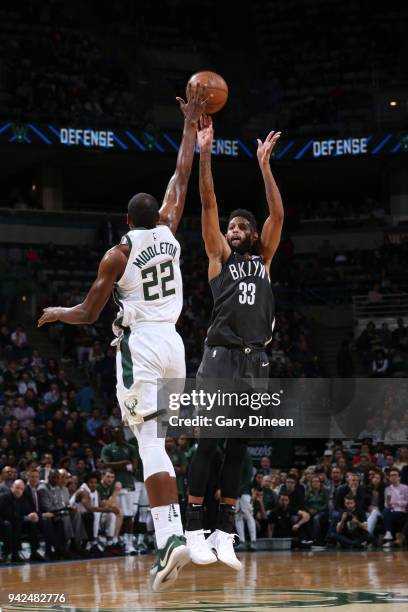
[131,406]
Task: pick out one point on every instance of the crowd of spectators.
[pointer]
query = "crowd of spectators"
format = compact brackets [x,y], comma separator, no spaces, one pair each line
[54,70]
[324,62]
[343,213]
[59,487]
[383,351]
[349,500]
[70,63]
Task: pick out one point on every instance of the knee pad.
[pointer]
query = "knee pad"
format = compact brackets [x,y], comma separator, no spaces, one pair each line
[152,450]
[155,460]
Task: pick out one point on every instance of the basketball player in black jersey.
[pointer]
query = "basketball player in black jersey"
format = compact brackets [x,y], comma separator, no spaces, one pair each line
[241,327]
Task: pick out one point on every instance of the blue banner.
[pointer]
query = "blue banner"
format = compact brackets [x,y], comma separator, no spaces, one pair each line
[167,142]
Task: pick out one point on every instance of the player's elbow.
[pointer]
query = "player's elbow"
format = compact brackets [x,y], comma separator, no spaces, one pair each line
[90,317]
[278,217]
[207,202]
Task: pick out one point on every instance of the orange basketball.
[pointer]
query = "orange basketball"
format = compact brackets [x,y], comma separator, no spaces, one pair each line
[217,89]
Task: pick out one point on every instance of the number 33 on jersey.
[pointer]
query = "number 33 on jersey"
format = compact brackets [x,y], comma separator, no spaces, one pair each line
[244,307]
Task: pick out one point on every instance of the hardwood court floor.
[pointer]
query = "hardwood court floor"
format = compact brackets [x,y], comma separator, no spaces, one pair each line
[349,582]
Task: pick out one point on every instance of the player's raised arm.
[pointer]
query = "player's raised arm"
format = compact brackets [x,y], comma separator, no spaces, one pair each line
[215,243]
[110,269]
[175,196]
[272,229]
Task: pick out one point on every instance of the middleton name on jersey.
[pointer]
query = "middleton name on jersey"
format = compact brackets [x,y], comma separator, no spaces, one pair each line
[163,248]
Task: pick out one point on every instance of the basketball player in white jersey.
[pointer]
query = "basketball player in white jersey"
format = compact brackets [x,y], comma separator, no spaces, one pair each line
[144,273]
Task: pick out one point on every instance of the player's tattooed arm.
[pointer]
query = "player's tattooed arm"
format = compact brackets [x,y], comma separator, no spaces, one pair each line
[216,246]
[272,229]
[110,269]
[175,196]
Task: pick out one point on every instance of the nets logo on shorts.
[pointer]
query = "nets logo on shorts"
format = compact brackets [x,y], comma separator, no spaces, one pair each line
[131,406]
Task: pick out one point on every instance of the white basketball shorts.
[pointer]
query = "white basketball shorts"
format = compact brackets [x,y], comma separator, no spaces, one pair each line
[147,351]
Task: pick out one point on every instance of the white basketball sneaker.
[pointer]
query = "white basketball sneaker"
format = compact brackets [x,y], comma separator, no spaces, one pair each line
[222,544]
[200,551]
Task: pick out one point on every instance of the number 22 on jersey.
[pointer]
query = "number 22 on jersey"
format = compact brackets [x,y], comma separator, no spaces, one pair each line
[155,279]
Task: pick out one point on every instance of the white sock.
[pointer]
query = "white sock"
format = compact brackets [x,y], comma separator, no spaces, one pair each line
[129,539]
[167,522]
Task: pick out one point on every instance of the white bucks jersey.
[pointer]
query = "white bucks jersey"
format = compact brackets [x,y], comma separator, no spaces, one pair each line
[151,288]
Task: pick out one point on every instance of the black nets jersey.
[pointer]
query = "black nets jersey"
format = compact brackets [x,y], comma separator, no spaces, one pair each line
[244,308]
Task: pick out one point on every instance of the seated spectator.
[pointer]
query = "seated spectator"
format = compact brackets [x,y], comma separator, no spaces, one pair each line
[7,477]
[352,530]
[52,397]
[265,466]
[402,458]
[109,491]
[306,479]
[35,525]
[363,467]
[388,461]
[19,338]
[77,533]
[395,513]
[317,505]
[357,490]
[46,464]
[11,521]
[374,501]
[86,500]
[264,500]
[285,523]
[23,413]
[295,491]
[367,451]
[52,509]
[94,422]
[332,484]
[380,365]
[257,481]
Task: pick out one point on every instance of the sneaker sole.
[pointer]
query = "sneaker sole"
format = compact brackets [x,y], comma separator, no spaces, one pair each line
[168,575]
[235,566]
[196,561]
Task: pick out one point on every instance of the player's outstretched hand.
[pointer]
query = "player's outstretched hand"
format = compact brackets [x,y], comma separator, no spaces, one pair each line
[265,148]
[196,100]
[49,315]
[205,133]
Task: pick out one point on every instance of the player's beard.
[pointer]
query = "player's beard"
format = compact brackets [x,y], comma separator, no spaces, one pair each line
[245,246]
